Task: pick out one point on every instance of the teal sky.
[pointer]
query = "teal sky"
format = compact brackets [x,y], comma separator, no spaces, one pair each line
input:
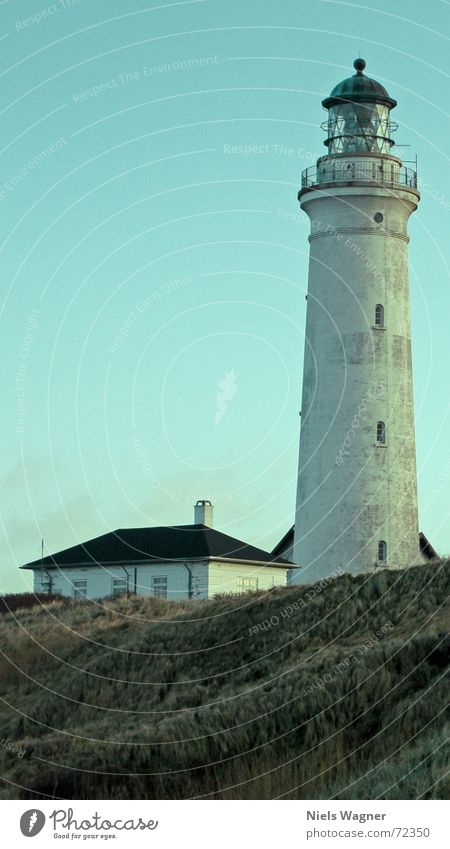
[151,268]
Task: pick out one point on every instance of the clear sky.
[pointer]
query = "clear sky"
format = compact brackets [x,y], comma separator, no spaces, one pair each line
[153,270]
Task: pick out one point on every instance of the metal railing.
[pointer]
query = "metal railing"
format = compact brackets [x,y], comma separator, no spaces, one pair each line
[368,172]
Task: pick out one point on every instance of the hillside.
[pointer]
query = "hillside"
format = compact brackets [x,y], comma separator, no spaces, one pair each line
[311,692]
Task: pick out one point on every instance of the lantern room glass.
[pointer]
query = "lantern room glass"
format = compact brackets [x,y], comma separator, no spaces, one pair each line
[359,128]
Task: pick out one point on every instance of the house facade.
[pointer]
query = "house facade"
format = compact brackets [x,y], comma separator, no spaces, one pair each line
[178,562]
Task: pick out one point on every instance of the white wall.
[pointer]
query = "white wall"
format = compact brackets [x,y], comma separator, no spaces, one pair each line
[352,493]
[100,579]
[205,582]
[223,577]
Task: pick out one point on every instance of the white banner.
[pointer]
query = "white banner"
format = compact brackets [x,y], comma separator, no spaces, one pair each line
[219,824]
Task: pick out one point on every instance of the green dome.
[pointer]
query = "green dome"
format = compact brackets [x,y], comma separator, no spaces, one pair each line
[359,89]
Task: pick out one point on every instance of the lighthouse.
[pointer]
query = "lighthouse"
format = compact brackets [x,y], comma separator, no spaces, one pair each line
[356,506]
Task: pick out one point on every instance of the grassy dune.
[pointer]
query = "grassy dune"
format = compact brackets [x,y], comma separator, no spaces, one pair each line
[312,692]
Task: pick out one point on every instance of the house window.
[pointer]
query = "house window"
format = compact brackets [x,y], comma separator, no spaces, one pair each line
[381,433]
[382,551]
[245,585]
[79,589]
[159,586]
[379,315]
[119,586]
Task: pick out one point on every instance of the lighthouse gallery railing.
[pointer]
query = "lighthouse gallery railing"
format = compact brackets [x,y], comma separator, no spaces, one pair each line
[366,172]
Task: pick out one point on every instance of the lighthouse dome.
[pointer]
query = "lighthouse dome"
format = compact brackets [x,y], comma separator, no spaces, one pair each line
[359,89]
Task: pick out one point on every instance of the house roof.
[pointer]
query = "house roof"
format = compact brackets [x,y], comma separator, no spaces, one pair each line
[141,545]
[285,542]
[426,547]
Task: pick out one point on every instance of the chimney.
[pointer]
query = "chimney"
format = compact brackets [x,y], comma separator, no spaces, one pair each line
[203,513]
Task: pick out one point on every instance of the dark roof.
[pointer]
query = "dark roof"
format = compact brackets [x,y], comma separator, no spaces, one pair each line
[284,543]
[426,547]
[179,542]
[359,89]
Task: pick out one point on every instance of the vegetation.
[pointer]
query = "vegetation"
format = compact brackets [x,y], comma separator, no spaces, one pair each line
[11,602]
[332,691]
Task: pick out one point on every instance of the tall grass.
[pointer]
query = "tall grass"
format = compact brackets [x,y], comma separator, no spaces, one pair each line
[299,693]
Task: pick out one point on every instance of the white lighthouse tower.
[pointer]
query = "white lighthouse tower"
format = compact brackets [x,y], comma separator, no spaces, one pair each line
[357,492]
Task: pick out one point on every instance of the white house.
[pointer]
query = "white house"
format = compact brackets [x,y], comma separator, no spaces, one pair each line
[176,562]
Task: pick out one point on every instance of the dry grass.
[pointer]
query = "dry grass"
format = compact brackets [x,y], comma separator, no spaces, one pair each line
[142,698]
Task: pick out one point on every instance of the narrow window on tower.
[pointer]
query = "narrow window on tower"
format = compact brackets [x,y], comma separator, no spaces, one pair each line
[381,433]
[382,551]
[379,315]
